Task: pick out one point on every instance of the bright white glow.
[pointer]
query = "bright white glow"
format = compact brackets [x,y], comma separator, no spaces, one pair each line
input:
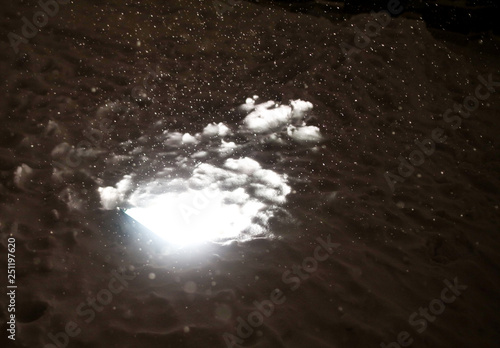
[217,204]
[196,216]
[190,202]
[232,202]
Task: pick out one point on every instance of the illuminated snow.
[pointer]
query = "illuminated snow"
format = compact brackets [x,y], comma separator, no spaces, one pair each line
[231,200]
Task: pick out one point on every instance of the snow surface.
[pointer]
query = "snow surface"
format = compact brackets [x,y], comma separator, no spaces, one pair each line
[276,187]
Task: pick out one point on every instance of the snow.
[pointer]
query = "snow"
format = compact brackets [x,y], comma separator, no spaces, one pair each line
[212,204]
[188,139]
[265,119]
[271,117]
[300,109]
[305,134]
[112,197]
[215,130]
[237,187]
[174,139]
[22,176]
[227,148]
[242,165]
[205,174]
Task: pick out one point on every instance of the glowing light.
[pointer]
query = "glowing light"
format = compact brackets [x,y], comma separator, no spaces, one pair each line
[233,201]
[197,216]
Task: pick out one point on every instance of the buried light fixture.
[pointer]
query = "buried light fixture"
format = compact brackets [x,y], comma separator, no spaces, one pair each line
[215,204]
[194,216]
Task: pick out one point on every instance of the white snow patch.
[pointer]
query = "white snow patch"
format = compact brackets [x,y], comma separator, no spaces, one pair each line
[52,128]
[214,203]
[243,165]
[60,150]
[174,139]
[112,197]
[188,139]
[305,134]
[227,148]
[299,109]
[216,130]
[265,120]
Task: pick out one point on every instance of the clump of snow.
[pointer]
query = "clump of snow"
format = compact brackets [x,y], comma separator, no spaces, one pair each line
[206,174]
[72,199]
[216,130]
[22,176]
[188,139]
[60,150]
[125,184]
[266,120]
[305,134]
[227,148]
[266,105]
[238,196]
[249,104]
[268,193]
[199,154]
[271,118]
[112,197]
[242,165]
[173,139]
[268,177]
[299,109]
[52,128]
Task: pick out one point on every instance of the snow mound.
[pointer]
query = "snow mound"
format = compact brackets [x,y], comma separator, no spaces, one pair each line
[212,191]
[265,119]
